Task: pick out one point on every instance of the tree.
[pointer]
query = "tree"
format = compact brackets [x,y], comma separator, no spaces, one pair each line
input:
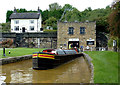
[102,25]
[45,16]
[52,22]
[73,15]
[67,7]
[5,27]
[88,9]
[8,15]
[54,6]
[114,20]
[21,10]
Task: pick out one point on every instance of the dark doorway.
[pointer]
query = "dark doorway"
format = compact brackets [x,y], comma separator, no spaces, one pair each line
[23,29]
[73,44]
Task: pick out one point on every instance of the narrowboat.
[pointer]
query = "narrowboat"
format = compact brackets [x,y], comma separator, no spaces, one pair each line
[51,58]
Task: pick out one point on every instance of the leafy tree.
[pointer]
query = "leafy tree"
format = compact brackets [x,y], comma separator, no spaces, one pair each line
[114,20]
[72,16]
[21,10]
[56,13]
[45,16]
[5,27]
[102,25]
[51,22]
[8,15]
[54,6]
[67,7]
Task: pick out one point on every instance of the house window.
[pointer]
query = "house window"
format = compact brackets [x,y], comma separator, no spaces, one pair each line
[82,30]
[31,28]
[32,21]
[90,42]
[71,30]
[16,28]
[16,21]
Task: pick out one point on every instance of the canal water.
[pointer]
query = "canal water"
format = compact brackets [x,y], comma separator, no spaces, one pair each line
[75,71]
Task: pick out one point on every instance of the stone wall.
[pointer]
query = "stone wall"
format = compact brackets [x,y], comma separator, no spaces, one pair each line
[42,42]
[14,59]
[63,36]
[34,42]
[90,65]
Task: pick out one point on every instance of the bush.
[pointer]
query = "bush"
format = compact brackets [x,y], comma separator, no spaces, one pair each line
[110,41]
[50,30]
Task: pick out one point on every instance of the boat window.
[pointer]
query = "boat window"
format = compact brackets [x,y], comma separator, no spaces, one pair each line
[70,51]
[60,52]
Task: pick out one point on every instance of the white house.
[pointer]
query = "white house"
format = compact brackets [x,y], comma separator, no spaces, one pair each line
[26,22]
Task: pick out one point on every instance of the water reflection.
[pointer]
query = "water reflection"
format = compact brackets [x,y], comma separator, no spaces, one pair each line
[75,71]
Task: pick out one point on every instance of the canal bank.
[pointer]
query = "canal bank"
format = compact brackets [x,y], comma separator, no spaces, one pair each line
[14,59]
[90,65]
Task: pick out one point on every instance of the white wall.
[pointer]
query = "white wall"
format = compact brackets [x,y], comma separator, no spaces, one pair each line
[26,23]
[39,23]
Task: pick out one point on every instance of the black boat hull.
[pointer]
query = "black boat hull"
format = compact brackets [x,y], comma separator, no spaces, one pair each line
[49,63]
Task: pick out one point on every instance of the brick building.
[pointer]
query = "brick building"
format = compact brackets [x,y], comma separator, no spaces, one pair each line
[76,34]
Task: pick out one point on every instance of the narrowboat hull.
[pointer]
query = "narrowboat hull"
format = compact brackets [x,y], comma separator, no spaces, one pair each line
[45,61]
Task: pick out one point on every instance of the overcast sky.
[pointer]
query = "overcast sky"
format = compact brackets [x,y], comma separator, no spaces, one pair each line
[44,4]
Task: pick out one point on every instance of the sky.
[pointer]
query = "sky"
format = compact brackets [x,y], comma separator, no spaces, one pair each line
[44,4]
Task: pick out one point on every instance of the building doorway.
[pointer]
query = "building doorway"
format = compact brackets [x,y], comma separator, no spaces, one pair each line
[23,29]
[73,44]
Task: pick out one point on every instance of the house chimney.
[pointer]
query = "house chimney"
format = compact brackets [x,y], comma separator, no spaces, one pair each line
[15,11]
[38,10]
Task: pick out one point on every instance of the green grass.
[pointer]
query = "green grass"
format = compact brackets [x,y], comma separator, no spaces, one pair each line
[105,66]
[19,52]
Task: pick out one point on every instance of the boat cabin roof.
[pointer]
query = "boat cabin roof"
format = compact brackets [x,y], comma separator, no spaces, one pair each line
[59,51]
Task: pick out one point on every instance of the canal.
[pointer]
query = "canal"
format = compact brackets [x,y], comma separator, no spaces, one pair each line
[75,71]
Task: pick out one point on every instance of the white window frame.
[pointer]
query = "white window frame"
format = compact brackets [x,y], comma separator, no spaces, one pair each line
[16,22]
[16,28]
[31,21]
[32,27]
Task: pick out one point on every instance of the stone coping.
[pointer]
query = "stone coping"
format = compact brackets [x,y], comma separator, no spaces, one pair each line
[14,59]
[90,64]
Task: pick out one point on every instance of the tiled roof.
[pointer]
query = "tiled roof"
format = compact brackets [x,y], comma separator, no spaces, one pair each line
[25,16]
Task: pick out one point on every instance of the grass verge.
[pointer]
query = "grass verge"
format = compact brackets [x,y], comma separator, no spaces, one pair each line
[105,66]
[19,51]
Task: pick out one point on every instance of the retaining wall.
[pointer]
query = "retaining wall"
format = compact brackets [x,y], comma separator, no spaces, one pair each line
[90,65]
[14,59]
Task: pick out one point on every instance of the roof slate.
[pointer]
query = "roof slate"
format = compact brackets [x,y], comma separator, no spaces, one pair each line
[25,16]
